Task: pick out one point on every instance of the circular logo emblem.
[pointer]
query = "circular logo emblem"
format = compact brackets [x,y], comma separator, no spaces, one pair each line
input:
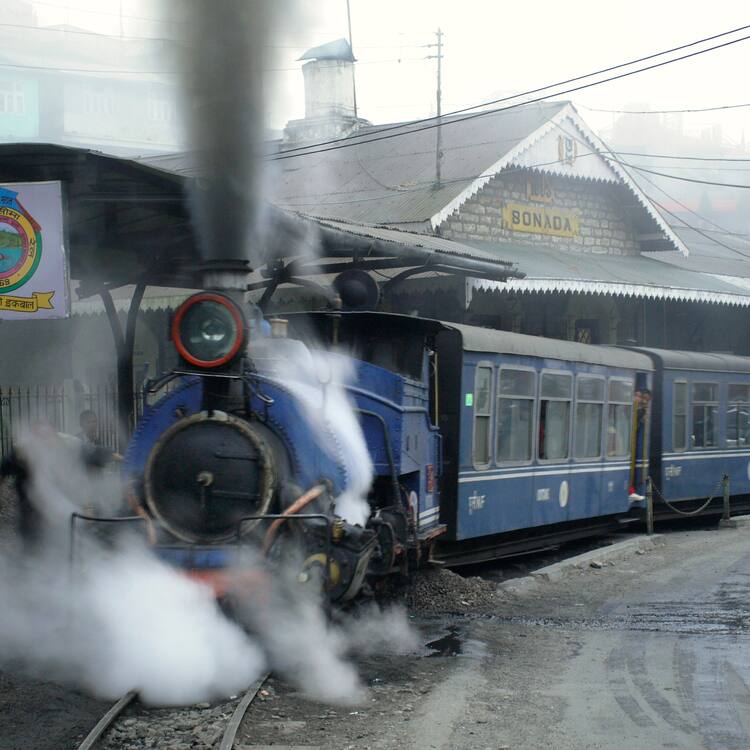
[564,491]
[20,247]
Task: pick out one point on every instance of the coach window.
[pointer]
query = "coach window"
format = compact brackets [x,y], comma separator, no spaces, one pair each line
[554,415]
[619,417]
[738,415]
[589,413]
[705,415]
[482,416]
[515,415]
[679,416]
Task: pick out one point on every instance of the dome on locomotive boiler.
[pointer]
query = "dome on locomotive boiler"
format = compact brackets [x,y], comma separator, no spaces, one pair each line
[207,473]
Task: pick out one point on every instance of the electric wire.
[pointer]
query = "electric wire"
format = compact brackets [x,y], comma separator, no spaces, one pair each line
[625,165]
[724,230]
[662,111]
[685,179]
[285,155]
[683,158]
[122,71]
[699,231]
[542,88]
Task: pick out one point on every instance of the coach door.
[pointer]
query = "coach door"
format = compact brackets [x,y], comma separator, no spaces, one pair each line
[552,477]
[588,429]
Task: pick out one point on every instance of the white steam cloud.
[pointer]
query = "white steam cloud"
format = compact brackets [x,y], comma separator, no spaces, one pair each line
[121,620]
[318,380]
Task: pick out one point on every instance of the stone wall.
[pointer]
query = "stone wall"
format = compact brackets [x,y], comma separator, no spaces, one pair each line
[604,228]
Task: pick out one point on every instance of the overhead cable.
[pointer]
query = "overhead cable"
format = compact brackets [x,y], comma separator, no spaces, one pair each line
[662,111]
[541,88]
[362,138]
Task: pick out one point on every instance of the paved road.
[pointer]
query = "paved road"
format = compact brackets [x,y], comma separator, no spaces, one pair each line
[651,653]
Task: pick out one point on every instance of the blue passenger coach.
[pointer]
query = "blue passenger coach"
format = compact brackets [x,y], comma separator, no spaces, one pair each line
[545,434]
[701,424]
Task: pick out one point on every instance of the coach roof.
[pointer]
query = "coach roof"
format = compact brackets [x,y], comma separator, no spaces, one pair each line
[502,342]
[696,361]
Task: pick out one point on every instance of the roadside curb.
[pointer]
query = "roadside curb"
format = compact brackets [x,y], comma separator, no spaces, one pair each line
[613,552]
[737,522]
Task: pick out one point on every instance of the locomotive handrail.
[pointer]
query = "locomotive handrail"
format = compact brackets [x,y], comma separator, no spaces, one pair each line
[388,451]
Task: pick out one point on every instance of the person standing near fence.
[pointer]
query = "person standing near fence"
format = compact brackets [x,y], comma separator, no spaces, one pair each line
[95,455]
[15,468]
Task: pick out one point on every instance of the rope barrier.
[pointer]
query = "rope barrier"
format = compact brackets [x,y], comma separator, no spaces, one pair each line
[688,512]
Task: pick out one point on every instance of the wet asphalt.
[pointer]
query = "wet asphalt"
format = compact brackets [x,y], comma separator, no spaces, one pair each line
[652,652]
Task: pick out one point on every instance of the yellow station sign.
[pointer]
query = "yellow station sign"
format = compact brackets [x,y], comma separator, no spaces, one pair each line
[559,222]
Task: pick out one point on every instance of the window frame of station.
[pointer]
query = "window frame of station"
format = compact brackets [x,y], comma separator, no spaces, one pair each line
[717,404]
[602,421]
[631,381]
[572,375]
[534,413]
[488,364]
[728,403]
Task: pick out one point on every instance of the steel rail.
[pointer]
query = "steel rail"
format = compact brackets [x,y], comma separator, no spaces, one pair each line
[103,724]
[230,733]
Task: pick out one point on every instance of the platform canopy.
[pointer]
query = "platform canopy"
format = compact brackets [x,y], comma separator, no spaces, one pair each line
[128,223]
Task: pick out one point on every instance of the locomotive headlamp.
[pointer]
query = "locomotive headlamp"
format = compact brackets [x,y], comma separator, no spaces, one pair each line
[208,330]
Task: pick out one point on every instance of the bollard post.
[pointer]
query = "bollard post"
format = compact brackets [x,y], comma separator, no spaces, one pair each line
[726,521]
[725,489]
[649,507]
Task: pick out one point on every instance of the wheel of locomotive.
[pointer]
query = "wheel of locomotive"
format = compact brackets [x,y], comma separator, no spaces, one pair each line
[206,473]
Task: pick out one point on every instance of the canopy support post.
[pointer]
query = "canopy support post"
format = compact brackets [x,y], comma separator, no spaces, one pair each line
[124,347]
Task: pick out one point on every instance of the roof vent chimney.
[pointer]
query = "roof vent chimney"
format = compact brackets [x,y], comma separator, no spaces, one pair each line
[329,95]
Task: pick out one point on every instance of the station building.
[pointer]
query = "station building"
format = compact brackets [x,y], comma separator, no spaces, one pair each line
[532,185]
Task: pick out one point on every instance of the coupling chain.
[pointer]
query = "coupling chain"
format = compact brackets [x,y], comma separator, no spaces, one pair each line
[687,512]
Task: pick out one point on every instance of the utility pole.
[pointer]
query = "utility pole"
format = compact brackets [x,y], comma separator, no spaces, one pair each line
[351,47]
[438,129]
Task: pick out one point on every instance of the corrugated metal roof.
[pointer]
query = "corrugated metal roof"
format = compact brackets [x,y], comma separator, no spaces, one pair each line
[392,181]
[710,252]
[558,270]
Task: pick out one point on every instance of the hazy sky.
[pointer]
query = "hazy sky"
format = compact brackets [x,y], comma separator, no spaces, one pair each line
[492,48]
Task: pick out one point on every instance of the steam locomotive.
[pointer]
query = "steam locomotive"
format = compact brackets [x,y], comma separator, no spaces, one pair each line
[482,442]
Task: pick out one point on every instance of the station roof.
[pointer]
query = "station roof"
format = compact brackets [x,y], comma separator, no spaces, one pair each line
[642,276]
[392,181]
[129,222]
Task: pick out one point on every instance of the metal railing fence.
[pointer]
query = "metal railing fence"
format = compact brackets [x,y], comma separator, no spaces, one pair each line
[61,406]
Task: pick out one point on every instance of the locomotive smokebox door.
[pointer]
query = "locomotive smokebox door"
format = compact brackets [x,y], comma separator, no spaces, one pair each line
[206,473]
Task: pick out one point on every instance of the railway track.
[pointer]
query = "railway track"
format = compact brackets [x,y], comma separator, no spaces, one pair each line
[95,736]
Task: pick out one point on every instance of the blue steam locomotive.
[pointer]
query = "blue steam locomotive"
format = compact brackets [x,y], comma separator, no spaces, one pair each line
[481,442]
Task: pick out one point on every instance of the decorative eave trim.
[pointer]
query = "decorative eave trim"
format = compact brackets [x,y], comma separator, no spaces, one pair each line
[475,186]
[605,288]
[598,145]
[567,112]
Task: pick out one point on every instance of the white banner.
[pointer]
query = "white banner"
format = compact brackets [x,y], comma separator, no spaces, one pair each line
[33,268]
